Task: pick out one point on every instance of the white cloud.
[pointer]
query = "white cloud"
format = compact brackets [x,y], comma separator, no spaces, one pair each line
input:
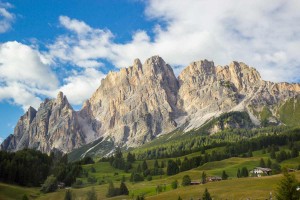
[6,18]
[264,34]
[80,86]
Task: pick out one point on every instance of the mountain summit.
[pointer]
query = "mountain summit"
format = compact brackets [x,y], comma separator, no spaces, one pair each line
[140,102]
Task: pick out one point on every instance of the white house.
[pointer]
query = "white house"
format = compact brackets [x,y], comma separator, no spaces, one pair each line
[259,171]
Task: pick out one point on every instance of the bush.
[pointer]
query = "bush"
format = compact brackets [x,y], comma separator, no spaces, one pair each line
[186,180]
[93,170]
[78,184]
[149,178]
[174,184]
[50,184]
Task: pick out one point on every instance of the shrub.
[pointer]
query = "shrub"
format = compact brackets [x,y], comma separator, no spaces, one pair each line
[50,184]
[186,180]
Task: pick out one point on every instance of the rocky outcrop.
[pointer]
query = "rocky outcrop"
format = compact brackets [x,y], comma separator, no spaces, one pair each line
[53,126]
[138,103]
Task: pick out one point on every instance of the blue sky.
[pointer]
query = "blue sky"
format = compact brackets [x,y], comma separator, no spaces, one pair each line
[50,46]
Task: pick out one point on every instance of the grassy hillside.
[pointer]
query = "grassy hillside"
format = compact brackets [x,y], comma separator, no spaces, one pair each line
[234,188]
[289,112]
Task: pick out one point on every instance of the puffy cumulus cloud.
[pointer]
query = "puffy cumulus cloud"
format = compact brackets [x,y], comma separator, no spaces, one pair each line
[84,48]
[6,17]
[263,34]
[22,73]
[26,75]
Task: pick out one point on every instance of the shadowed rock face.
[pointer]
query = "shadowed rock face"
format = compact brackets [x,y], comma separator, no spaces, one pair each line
[138,103]
[54,125]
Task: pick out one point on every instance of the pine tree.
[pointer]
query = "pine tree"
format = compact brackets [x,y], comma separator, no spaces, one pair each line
[224,175]
[272,153]
[123,189]
[206,195]
[244,172]
[186,180]
[144,165]
[156,164]
[111,190]
[203,177]
[238,173]
[262,163]
[269,163]
[287,188]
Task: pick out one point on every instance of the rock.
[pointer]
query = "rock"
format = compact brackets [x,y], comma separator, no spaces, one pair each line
[140,102]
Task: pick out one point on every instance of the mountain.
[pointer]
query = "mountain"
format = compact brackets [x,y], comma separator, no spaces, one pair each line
[53,126]
[135,105]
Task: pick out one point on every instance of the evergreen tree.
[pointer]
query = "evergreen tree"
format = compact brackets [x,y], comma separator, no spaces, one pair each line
[295,152]
[174,184]
[224,175]
[50,184]
[262,163]
[123,189]
[144,165]
[287,188]
[203,177]
[172,168]
[244,172]
[269,163]
[111,190]
[25,197]
[238,173]
[68,195]
[206,195]
[179,198]
[273,154]
[162,164]
[156,164]
[130,157]
[186,180]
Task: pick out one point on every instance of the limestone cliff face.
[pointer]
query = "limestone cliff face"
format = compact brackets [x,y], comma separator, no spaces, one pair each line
[137,103]
[53,126]
[206,91]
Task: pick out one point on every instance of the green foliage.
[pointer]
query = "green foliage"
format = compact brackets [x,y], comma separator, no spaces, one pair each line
[26,167]
[203,177]
[91,195]
[174,184]
[123,189]
[50,184]
[264,115]
[130,157]
[224,175]
[149,178]
[238,174]
[206,195]
[287,188]
[136,177]
[68,195]
[86,160]
[262,163]
[186,180]
[179,198]
[244,172]
[93,170]
[172,168]
[111,190]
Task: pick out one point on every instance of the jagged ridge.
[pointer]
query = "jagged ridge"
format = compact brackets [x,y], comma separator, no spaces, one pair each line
[138,103]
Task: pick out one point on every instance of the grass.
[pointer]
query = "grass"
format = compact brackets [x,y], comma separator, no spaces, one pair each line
[289,112]
[234,188]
